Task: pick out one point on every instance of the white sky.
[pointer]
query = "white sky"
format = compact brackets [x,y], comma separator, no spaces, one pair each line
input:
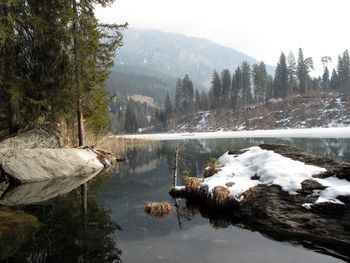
[259,28]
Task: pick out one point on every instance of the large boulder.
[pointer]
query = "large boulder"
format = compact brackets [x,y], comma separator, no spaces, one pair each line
[45,136]
[31,165]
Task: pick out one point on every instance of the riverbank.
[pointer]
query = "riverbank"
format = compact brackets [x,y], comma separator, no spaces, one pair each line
[343,132]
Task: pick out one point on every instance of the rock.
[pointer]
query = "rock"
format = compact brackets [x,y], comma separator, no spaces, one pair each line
[31,165]
[45,136]
[308,186]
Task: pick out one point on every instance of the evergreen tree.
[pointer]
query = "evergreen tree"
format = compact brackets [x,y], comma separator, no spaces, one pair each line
[256,81]
[216,90]
[259,76]
[226,86]
[130,125]
[301,73]
[281,78]
[204,103]
[303,69]
[334,82]
[292,71]
[326,76]
[178,96]
[343,69]
[246,84]
[168,107]
[197,100]
[325,79]
[188,94]
[236,89]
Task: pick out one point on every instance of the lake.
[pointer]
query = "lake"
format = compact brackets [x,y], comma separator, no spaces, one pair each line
[109,223]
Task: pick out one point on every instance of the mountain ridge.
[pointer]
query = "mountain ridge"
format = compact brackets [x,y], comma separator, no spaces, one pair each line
[174,55]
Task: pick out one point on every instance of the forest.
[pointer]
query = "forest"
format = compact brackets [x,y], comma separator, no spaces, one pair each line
[251,85]
[55,57]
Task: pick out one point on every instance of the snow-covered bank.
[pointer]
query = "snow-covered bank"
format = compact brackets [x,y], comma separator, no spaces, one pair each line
[257,166]
[343,132]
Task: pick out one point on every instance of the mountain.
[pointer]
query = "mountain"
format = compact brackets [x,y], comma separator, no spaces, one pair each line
[150,61]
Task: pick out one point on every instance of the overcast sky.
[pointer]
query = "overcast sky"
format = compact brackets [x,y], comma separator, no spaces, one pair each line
[259,28]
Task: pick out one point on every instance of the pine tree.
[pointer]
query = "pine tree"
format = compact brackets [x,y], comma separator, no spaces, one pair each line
[334,82]
[259,77]
[325,79]
[303,69]
[236,89]
[246,84]
[188,94]
[292,71]
[326,76]
[301,73]
[130,124]
[178,96]
[216,90]
[343,69]
[168,107]
[226,86]
[204,103]
[197,100]
[281,78]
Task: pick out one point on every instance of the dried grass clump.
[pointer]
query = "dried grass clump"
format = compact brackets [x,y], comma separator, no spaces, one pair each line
[220,195]
[158,209]
[210,171]
[230,184]
[193,184]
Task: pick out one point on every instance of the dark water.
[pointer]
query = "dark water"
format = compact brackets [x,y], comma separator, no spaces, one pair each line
[111,226]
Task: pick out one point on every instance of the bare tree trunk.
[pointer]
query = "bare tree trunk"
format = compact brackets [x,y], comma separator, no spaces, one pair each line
[175,165]
[81,131]
[81,134]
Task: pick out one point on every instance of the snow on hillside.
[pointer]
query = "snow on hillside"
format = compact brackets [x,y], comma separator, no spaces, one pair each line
[325,111]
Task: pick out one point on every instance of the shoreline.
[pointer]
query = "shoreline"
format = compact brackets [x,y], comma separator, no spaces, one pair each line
[343,132]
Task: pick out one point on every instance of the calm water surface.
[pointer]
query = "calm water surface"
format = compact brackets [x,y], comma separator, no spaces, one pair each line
[114,228]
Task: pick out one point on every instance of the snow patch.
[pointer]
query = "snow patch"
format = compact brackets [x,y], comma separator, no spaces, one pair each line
[271,168]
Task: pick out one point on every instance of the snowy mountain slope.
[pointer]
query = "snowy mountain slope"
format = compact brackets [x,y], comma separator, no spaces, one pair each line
[174,55]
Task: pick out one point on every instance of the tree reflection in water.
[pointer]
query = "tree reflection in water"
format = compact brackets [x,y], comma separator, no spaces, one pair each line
[75,228]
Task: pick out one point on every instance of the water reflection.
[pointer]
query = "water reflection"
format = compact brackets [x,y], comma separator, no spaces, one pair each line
[37,192]
[80,225]
[148,178]
[75,228]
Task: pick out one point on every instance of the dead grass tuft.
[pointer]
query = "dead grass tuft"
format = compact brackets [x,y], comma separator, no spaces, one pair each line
[220,195]
[158,209]
[210,171]
[193,184]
